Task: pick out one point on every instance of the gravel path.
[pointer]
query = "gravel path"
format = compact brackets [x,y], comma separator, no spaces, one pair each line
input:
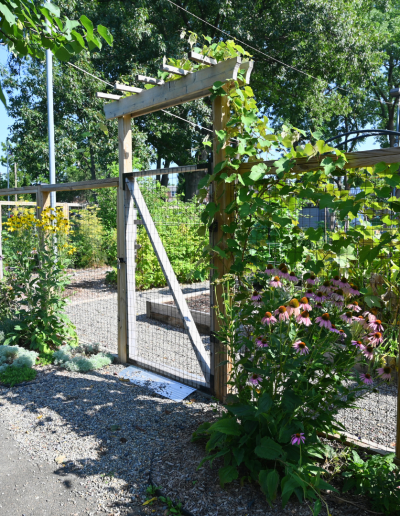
[104,440]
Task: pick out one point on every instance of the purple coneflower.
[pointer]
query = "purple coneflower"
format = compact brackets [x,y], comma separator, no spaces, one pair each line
[284,273]
[354,306]
[268,318]
[376,325]
[336,280]
[339,304]
[292,277]
[333,329]
[309,293]
[261,342]
[366,378]
[319,296]
[358,344]
[344,283]
[256,298]
[347,317]
[385,372]
[326,287]
[375,338]
[319,306]
[359,320]
[368,352]
[305,305]
[324,321]
[353,290]
[311,280]
[276,282]
[270,269]
[301,347]
[255,379]
[293,307]
[283,313]
[304,318]
[338,294]
[297,439]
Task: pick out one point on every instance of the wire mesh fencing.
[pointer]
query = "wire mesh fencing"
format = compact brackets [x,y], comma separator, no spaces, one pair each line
[91,291]
[160,339]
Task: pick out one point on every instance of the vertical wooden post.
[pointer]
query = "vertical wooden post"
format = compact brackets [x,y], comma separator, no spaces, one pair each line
[65,208]
[221,194]
[42,200]
[131,229]
[125,165]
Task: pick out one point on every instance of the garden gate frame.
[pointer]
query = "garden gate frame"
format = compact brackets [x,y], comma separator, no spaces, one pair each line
[192,86]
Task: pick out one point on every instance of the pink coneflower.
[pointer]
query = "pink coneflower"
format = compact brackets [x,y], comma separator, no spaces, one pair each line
[255,379]
[281,270]
[276,282]
[304,318]
[366,378]
[338,294]
[319,296]
[261,342]
[297,439]
[293,307]
[292,277]
[270,269]
[336,280]
[283,313]
[354,306]
[268,318]
[312,279]
[359,320]
[333,329]
[256,298]
[376,325]
[368,352]
[385,373]
[305,305]
[347,317]
[301,347]
[344,283]
[309,293]
[324,321]
[326,287]
[358,344]
[375,338]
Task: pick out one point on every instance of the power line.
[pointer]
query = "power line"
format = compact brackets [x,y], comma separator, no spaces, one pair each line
[267,55]
[188,121]
[88,73]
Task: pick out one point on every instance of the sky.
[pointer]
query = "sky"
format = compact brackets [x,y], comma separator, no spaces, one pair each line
[6,121]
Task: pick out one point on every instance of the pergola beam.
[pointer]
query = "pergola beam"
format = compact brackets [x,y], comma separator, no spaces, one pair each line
[191,87]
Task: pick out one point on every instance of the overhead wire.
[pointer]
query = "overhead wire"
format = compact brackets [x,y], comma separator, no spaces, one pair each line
[267,55]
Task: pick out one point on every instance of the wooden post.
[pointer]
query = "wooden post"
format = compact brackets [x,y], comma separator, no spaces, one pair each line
[125,165]
[221,194]
[42,200]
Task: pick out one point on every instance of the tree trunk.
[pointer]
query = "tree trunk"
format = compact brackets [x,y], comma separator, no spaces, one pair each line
[158,177]
[92,163]
[164,178]
[191,183]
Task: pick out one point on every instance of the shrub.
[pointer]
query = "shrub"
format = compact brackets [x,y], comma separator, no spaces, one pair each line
[15,375]
[15,356]
[377,478]
[111,276]
[82,358]
[88,237]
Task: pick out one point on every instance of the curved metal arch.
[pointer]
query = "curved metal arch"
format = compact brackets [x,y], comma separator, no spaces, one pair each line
[362,133]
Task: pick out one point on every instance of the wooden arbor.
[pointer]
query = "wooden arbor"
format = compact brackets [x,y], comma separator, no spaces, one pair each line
[192,86]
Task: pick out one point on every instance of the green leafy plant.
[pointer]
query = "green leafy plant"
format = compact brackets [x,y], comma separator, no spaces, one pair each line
[15,356]
[15,375]
[376,477]
[88,236]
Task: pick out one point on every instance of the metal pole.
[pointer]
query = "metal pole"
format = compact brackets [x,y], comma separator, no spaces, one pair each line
[15,180]
[398,120]
[50,123]
[8,169]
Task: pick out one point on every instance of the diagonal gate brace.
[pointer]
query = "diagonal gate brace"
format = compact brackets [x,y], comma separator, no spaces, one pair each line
[170,276]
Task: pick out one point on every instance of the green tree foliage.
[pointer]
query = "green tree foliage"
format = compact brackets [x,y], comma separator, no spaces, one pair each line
[28,30]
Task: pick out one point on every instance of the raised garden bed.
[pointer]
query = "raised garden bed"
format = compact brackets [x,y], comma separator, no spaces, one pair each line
[168,313]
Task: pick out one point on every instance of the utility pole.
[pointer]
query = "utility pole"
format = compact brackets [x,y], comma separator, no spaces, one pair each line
[50,122]
[395,92]
[8,169]
[15,179]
